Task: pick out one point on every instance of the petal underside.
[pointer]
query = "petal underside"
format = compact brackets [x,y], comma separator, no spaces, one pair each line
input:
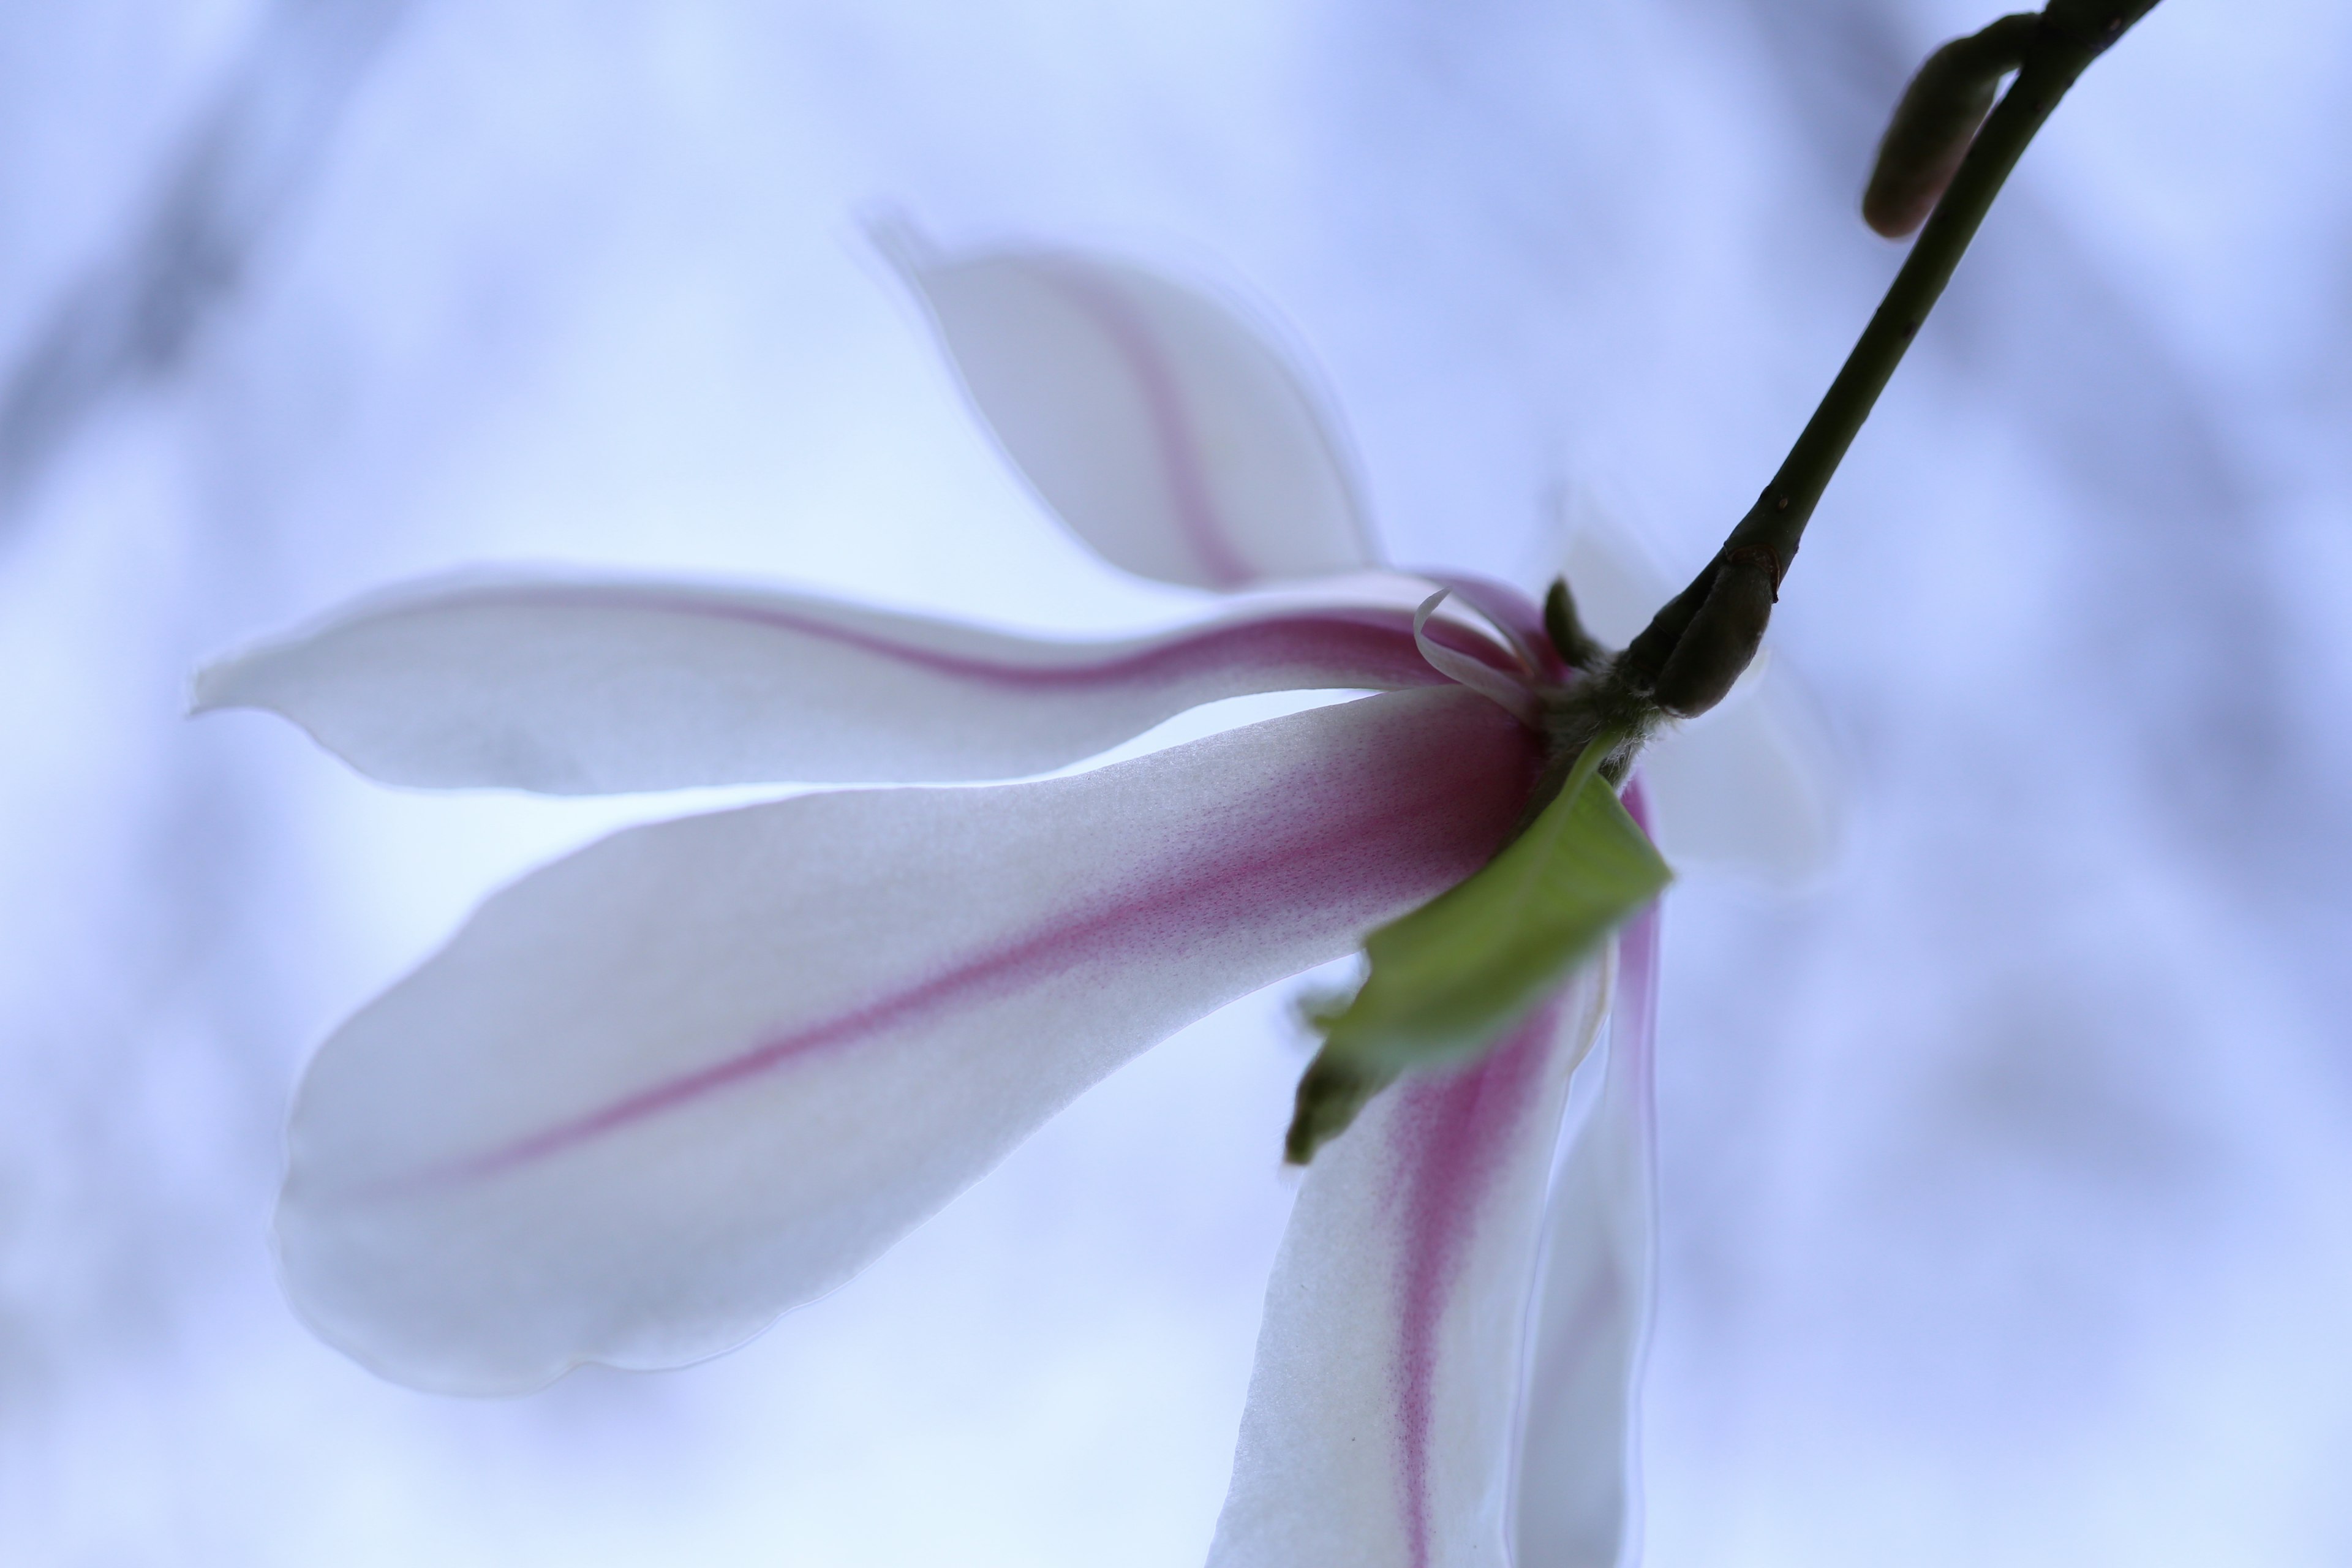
[1517,617]
[661,1091]
[572,687]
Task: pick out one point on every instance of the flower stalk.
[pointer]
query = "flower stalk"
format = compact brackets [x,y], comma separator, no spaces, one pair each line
[1698,644]
[1942,150]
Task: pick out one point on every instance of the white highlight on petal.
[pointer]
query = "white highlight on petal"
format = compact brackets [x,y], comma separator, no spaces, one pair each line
[1155,421]
[1381,1412]
[699,1072]
[1512,696]
[578,685]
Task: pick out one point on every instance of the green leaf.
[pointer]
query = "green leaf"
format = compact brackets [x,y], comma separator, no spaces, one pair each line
[1452,978]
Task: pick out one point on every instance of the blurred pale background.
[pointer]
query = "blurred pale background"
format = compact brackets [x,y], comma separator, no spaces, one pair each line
[2004,1171]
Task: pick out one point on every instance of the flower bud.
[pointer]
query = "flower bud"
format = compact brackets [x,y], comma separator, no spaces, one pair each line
[1575,645]
[1721,639]
[1935,123]
[1924,144]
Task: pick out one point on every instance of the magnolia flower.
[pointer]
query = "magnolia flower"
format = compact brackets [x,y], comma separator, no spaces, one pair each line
[662,1090]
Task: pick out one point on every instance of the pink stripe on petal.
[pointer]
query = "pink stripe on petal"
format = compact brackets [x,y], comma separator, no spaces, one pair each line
[1176,442]
[584,687]
[1381,1413]
[1161,426]
[1353,646]
[1457,815]
[1452,1134]
[1578,1497]
[656,1092]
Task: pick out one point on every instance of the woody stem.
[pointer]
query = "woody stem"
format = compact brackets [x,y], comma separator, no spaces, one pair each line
[2053,49]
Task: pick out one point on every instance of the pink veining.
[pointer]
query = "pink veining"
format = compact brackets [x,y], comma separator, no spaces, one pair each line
[1433,807]
[1589,1367]
[1367,645]
[1634,1022]
[1456,1140]
[1205,529]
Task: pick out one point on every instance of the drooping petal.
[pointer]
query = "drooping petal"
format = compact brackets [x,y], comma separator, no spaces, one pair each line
[1578,1489]
[583,687]
[1159,425]
[1381,1413]
[654,1094]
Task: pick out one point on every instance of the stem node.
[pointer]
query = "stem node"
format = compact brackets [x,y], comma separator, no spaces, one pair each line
[1947,157]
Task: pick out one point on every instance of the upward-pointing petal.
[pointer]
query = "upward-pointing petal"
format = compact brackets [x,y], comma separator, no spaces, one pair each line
[1154,421]
[584,687]
[703,1071]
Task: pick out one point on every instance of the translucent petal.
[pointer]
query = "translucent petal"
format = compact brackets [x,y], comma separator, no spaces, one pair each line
[1746,788]
[1617,587]
[699,1072]
[1381,1413]
[1578,1493]
[1155,421]
[583,687]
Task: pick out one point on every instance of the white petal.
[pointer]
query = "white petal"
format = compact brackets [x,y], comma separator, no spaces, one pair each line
[1745,787]
[1616,587]
[582,687]
[1154,420]
[1381,1413]
[1578,1493]
[654,1094]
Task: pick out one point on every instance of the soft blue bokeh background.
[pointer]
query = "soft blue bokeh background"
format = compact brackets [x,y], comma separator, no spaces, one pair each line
[2004,1174]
